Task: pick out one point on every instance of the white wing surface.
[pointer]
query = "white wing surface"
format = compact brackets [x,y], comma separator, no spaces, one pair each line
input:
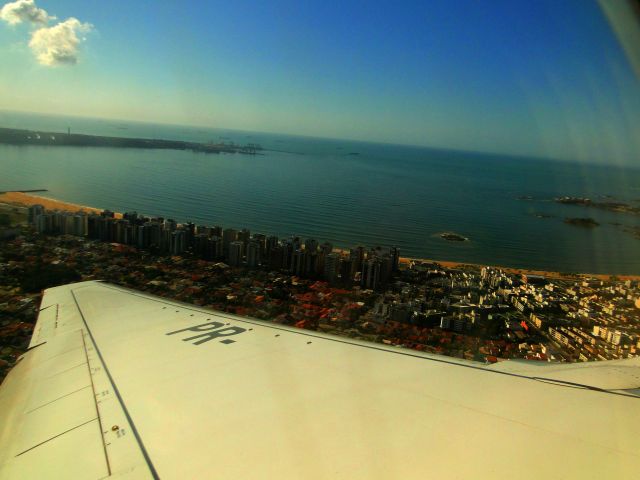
[122,384]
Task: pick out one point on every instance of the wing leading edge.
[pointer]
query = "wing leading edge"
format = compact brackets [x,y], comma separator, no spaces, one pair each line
[121,383]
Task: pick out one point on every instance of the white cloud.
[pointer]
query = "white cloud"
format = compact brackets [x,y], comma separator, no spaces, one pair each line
[24,11]
[58,45]
[55,45]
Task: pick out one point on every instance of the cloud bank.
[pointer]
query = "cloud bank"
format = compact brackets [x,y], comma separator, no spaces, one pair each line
[52,46]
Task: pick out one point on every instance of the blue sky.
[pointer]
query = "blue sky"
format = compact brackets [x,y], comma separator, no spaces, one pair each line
[544,78]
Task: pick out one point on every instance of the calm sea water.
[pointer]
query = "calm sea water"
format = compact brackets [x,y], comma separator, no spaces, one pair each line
[344,192]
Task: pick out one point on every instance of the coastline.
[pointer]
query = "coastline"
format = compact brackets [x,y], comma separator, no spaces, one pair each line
[26,200]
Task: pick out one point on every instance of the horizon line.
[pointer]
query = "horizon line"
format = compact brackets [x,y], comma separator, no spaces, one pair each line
[315,137]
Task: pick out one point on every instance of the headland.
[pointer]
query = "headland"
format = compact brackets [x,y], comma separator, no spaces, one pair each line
[12,136]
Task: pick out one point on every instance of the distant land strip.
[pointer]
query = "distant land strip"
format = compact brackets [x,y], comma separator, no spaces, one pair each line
[612,206]
[12,136]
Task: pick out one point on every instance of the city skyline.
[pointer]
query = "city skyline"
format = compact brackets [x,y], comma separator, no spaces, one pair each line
[559,317]
[535,80]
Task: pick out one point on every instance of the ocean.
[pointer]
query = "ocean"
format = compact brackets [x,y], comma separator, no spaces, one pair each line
[345,192]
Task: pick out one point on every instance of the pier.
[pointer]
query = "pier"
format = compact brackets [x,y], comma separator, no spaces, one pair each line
[24,191]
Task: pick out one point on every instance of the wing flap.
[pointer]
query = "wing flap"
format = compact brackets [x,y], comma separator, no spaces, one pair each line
[58,415]
[45,326]
[47,401]
[51,460]
[612,375]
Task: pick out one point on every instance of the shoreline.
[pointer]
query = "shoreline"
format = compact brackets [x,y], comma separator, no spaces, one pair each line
[26,200]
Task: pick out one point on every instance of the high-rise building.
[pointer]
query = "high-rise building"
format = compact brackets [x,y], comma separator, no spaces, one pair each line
[203,229]
[170,225]
[298,262]
[143,237]
[178,242]
[332,267]
[346,272]
[311,264]
[92,225]
[215,244]
[165,241]
[122,231]
[67,223]
[34,212]
[270,244]
[244,236]
[190,233]
[262,243]
[235,253]
[111,229]
[311,245]
[357,256]
[216,231]
[386,269]
[287,252]
[228,235]
[253,254]
[394,252]
[80,225]
[371,273]
[325,249]
[131,216]
[43,223]
[155,234]
[275,257]
[101,228]
[200,246]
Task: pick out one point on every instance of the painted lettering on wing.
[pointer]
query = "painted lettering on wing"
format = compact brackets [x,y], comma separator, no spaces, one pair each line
[206,332]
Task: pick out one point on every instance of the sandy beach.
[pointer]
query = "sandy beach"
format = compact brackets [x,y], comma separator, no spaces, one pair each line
[521,271]
[26,200]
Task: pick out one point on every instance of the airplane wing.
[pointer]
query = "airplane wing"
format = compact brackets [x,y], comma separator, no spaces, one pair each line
[118,383]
